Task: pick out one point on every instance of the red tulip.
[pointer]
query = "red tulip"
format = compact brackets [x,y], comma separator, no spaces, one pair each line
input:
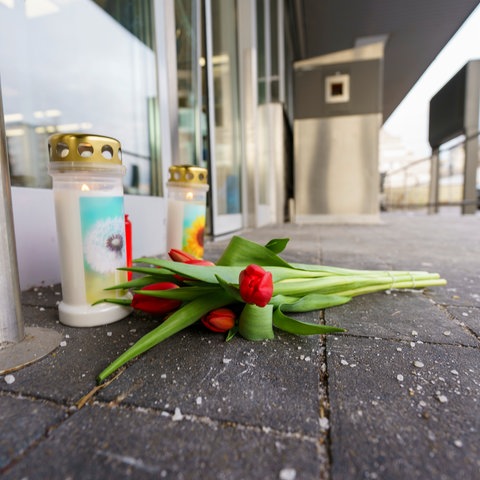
[196,261]
[184,257]
[150,304]
[256,285]
[180,256]
[219,320]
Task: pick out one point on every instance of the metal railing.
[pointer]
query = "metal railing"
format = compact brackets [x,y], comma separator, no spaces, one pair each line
[431,182]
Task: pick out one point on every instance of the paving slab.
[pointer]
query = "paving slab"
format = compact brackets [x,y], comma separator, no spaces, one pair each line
[399,412]
[120,443]
[42,297]
[467,317]
[445,245]
[69,372]
[23,423]
[274,384]
[401,315]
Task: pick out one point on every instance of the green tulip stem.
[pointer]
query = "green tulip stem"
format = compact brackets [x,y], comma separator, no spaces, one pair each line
[341,285]
[395,286]
[182,318]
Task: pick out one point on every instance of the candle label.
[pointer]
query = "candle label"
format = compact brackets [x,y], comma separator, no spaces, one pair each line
[193,229]
[103,239]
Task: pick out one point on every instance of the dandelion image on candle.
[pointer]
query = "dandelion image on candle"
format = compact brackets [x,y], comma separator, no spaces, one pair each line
[104,247]
[103,233]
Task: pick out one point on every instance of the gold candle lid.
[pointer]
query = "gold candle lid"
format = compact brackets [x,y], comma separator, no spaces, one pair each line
[189,174]
[85,148]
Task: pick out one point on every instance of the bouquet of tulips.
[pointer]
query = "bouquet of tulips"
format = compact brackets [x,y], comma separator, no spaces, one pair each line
[250,290]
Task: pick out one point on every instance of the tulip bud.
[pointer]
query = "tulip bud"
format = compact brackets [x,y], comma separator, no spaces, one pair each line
[184,257]
[151,304]
[219,320]
[203,263]
[256,285]
[180,256]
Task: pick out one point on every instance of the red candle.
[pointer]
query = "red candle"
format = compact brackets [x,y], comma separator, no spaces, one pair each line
[128,244]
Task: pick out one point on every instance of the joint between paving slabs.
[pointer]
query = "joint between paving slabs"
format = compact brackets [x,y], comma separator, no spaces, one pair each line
[88,398]
[47,432]
[325,402]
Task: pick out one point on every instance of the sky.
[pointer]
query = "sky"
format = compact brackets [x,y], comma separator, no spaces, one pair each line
[409,122]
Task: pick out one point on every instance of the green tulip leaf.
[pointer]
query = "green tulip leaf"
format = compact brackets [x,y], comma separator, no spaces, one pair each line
[314,301]
[278,300]
[277,245]
[297,327]
[243,252]
[231,333]
[182,293]
[125,302]
[232,290]
[207,274]
[309,302]
[160,275]
[138,282]
[210,274]
[255,323]
[182,318]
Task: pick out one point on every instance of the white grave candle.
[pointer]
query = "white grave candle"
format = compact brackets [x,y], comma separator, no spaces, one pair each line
[88,197]
[175,224]
[187,191]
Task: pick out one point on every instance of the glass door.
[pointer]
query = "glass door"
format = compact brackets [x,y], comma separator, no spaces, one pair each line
[191,111]
[224,153]
[208,103]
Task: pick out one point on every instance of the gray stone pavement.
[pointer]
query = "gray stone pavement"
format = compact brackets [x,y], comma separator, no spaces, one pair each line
[395,397]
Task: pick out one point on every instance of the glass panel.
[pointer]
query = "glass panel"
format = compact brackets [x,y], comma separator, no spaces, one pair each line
[452,165]
[268,37]
[274,52]
[264,94]
[288,74]
[79,66]
[226,99]
[191,117]
[261,52]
